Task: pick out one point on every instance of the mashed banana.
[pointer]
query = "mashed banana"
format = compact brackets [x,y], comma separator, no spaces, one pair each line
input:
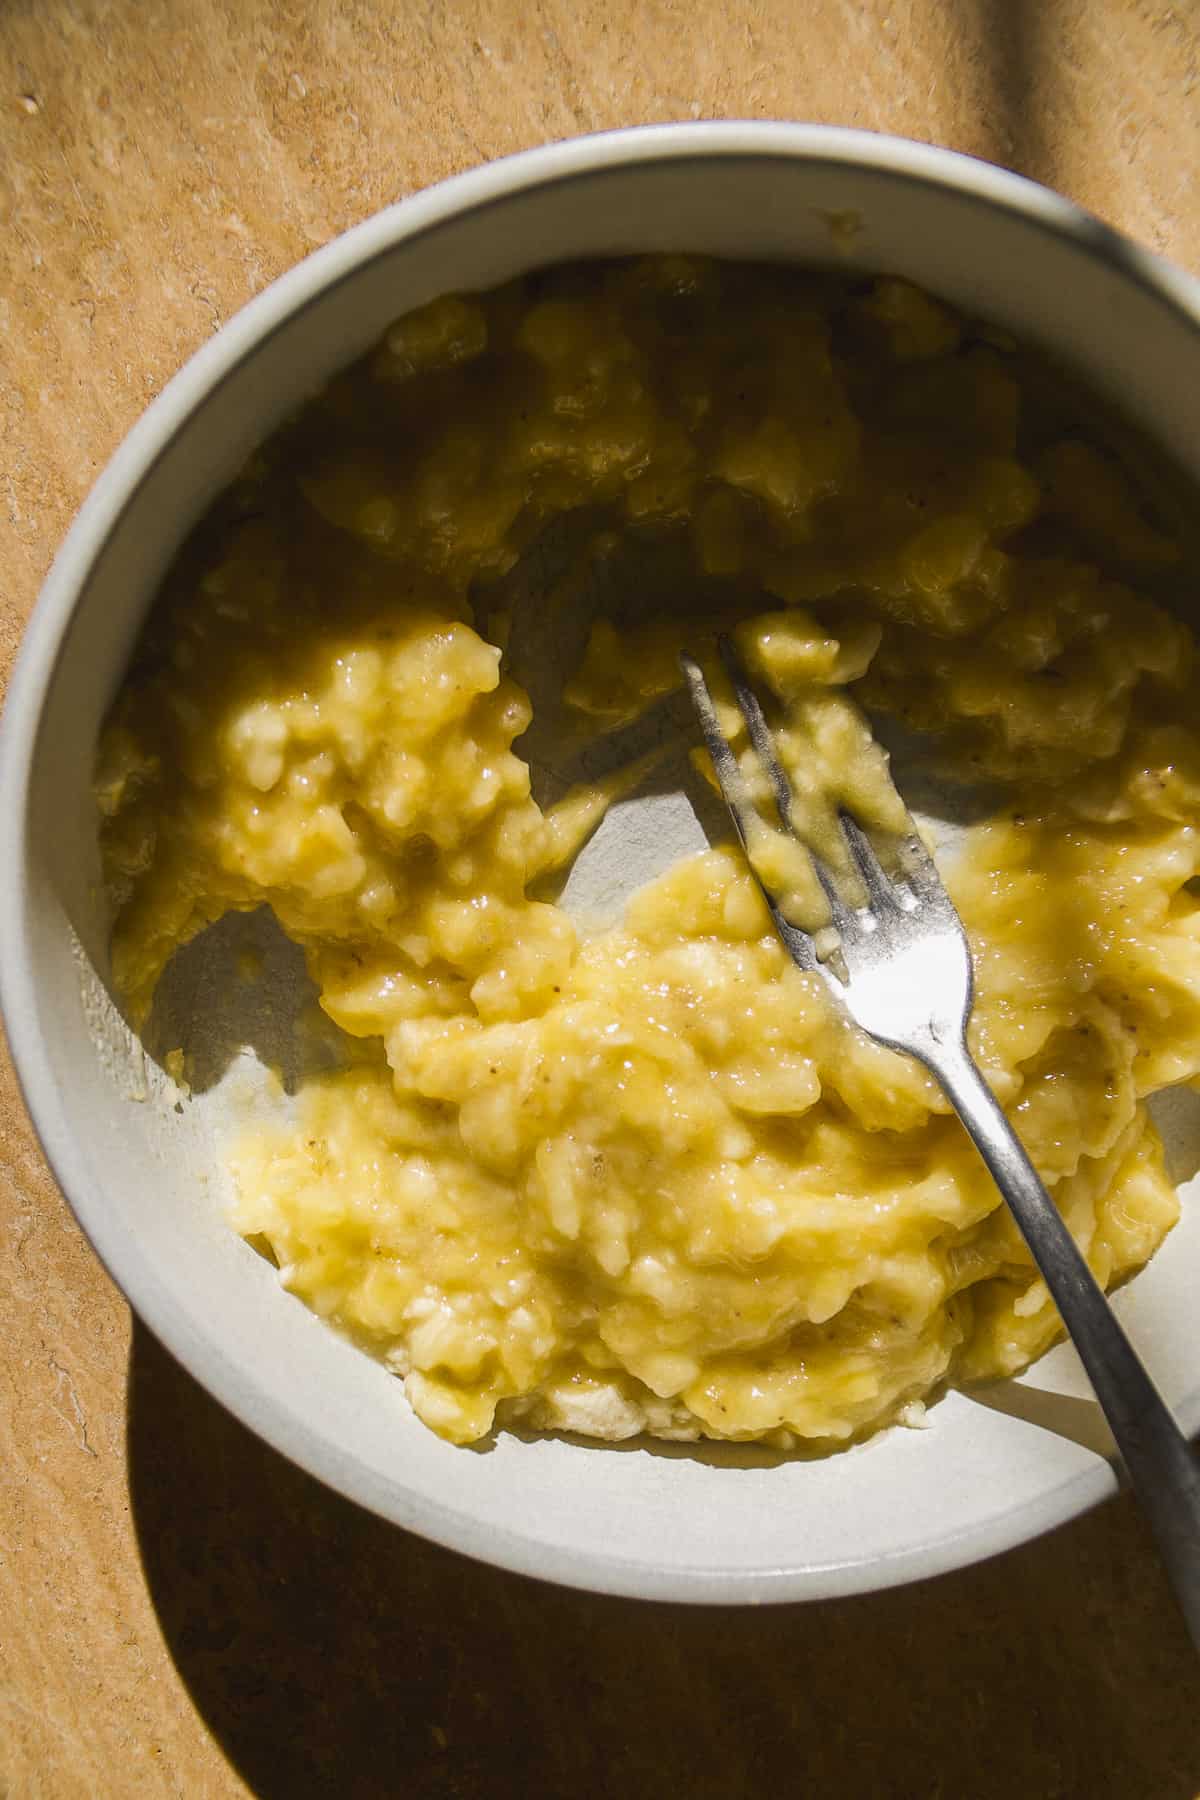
[649,1178]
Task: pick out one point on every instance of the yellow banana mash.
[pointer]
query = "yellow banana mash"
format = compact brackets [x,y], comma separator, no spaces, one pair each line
[647,1177]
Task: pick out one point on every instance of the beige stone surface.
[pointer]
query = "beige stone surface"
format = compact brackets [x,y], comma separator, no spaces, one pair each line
[182,1613]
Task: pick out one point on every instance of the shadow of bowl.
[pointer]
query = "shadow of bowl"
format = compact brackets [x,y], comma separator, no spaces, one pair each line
[330,1653]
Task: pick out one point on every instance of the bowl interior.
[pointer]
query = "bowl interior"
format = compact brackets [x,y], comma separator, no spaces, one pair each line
[146,1175]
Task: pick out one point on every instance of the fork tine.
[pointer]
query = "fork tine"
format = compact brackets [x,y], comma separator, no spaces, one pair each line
[741,808]
[918,867]
[751,710]
[729,775]
[839,913]
[881,891]
[920,871]
[760,734]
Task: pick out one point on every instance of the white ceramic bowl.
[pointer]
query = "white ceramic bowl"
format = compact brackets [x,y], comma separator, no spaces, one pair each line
[146,1183]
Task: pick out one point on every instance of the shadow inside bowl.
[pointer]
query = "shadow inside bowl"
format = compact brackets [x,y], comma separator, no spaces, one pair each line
[1070,1416]
[241,985]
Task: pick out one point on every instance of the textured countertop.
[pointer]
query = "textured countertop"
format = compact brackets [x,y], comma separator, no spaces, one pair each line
[181,1612]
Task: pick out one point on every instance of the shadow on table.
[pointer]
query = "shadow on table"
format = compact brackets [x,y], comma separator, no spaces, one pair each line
[329,1653]
[1017,42]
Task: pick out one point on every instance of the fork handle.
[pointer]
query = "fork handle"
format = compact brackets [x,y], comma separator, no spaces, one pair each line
[1162,1467]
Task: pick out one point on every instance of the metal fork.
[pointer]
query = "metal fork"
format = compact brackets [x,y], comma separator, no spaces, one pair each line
[908,983]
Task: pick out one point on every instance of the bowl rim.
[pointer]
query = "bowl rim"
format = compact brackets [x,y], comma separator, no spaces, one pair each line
[217,361]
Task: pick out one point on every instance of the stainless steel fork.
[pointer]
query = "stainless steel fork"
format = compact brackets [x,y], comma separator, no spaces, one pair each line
[908,983]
